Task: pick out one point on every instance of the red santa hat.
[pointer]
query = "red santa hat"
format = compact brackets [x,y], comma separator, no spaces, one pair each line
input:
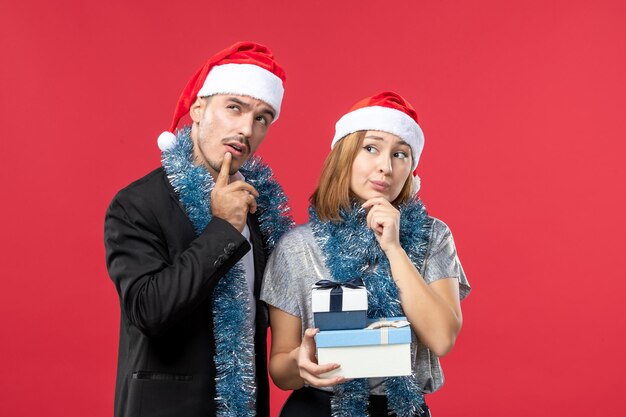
[245,68]
[387,112]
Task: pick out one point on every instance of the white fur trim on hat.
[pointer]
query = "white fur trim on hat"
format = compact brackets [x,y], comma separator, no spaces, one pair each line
[384,119]
[246,80]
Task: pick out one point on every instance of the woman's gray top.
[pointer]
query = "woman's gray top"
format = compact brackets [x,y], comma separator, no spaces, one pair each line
[298,262]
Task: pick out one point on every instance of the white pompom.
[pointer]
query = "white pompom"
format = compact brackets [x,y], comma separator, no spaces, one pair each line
[166,141]
[417,183]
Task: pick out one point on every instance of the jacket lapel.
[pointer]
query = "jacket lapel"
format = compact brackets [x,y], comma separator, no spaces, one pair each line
[258,252]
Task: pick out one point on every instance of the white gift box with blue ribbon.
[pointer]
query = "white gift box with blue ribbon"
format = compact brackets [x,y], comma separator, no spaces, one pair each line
[339,305]
[382,349]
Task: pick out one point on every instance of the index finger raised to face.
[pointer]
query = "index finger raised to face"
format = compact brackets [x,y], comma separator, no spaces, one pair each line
[222,178]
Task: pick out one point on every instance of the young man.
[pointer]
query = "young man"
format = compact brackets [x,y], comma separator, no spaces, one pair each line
[186,247]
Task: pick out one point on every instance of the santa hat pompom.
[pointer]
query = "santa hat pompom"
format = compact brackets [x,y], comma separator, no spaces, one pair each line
[166,141]
[417,183]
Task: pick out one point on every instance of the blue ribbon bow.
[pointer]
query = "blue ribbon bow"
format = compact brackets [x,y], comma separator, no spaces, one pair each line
[336,292]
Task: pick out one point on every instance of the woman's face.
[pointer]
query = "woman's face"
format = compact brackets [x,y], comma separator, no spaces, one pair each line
[381,166]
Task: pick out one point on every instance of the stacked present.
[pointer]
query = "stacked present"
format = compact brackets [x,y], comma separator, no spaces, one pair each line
[364,348]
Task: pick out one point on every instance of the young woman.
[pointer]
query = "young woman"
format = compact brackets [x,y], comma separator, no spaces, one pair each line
[365,219]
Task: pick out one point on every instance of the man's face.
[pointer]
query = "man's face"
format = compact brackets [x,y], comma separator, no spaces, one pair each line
[228,123]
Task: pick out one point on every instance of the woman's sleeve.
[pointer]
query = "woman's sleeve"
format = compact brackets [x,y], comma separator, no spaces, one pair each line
[442,260]
[280,279]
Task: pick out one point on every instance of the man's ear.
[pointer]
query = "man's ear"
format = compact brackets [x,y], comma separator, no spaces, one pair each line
[197,109]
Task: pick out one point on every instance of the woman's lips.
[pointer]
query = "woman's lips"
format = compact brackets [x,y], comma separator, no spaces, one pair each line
[380,185]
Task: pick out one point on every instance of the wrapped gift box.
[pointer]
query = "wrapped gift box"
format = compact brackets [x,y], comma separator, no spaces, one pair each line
[367,353]
[339,306]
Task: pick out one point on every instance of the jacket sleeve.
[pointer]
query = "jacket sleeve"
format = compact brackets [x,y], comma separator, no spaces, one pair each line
[156,292]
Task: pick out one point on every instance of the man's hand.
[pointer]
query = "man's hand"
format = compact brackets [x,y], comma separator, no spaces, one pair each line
[232,202]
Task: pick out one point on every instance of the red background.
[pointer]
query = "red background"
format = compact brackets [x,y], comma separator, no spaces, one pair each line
[522,105]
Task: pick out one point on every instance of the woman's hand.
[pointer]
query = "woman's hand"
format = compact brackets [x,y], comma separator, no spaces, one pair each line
[384,219]
[292,357]
[308,367]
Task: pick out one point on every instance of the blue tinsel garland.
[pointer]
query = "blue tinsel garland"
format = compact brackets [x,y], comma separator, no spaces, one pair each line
[234,345]
[351,251]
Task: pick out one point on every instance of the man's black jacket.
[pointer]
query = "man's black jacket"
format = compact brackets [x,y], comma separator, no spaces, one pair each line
[165,276]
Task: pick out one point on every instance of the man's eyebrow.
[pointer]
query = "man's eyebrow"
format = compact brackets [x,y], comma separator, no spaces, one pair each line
[247,106]
[269,111]
[240,102]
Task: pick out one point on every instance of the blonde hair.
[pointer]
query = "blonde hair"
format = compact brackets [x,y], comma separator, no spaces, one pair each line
[333,190]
